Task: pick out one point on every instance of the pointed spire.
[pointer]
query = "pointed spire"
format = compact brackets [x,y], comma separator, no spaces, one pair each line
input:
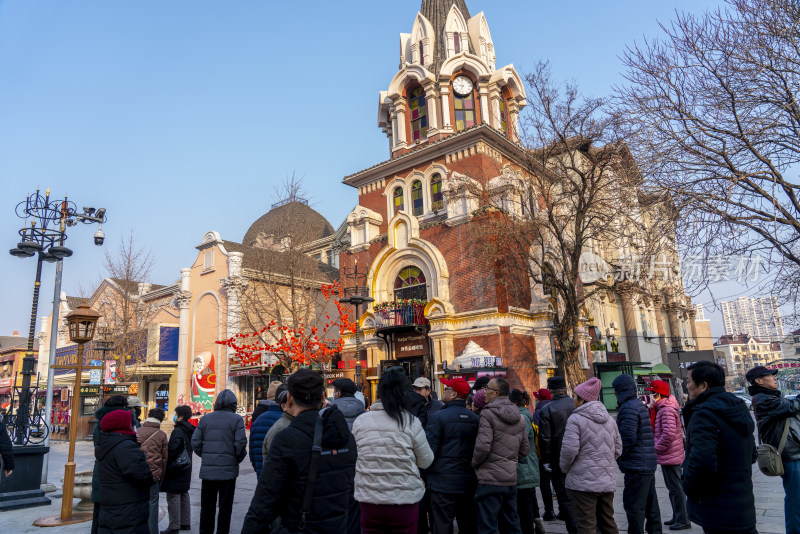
[436,12]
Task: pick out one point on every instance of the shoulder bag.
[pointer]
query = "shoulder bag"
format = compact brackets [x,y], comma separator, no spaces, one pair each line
[769,458]
[277,526]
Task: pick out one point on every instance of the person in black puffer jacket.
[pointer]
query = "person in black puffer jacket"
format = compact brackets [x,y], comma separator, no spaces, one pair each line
[114,402]
[638,460]
[6,451]
[221,441]
[720,452]
[177,480]
[553,422]
[125,477]
[280,490]
[451,434]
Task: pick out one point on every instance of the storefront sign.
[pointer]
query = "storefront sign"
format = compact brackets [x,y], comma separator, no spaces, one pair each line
[5,382]
[335,375]
[411,344]
[162,394]
[90,390]
[95,374]
[245,372]
[65,395]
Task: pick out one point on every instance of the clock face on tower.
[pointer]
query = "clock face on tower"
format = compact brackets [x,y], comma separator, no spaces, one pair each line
[462,86]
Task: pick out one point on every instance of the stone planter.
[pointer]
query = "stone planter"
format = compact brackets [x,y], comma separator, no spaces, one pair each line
[83,490]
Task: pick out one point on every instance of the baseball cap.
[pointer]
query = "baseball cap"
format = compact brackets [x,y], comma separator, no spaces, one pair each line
[659,386]
[460,385]
[757,372]
[133,402]
[422,382]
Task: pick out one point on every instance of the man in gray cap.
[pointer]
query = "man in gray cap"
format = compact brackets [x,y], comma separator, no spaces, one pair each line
[344,398]
[773,412]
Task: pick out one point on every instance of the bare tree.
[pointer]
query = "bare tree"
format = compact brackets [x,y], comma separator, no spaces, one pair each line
[123,309]
[713,108]
[284,280]
[579,192]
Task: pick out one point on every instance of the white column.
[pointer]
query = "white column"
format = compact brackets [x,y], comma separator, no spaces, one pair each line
[400,107]
[432,103]
[184,299]
[393,137]
[484,95]
[446,125]
[234,285]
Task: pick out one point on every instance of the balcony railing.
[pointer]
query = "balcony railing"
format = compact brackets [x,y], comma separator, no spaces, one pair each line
[395,314]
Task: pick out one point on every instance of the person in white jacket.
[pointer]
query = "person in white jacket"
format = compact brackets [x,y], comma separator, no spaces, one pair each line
[392,448]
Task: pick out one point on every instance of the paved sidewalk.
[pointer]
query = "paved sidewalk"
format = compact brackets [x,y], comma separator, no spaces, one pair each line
[768,494]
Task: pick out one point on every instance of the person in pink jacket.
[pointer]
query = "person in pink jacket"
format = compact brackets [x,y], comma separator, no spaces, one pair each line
[669,451]
[591,447]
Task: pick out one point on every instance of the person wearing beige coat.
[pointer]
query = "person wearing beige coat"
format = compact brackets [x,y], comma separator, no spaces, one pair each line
[153,442]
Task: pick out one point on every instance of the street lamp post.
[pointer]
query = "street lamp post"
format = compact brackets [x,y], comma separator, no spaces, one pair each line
[81,324]
[357,299]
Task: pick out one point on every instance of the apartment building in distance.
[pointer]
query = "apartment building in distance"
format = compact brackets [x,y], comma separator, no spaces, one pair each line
[759,317]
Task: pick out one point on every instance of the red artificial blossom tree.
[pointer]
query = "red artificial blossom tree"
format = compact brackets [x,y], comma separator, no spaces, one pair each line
[301,343]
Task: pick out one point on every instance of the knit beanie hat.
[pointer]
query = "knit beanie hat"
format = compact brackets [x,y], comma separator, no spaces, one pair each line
[118,421]
[272,389]
[479,399]
[589,390]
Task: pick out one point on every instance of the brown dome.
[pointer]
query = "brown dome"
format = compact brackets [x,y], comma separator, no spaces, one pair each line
[293,219]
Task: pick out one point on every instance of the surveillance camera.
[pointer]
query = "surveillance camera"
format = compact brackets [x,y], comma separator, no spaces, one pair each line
[99,237]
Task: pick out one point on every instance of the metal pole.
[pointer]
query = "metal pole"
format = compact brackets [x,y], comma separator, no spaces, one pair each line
[28,362]
[69,467]
[48,405]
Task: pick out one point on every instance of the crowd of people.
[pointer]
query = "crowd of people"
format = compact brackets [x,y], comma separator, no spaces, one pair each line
[414,464]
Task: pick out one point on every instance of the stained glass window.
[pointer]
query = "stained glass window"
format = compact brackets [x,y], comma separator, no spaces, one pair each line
[503,116]
[398,199]
[436,192]
[419,115]
[416,198]
[456,43]
[410,284]
[465,110]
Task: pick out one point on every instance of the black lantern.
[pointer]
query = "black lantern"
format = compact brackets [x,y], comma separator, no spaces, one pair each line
[81,323]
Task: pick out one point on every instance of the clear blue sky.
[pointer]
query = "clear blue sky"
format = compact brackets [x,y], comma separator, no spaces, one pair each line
[179,117]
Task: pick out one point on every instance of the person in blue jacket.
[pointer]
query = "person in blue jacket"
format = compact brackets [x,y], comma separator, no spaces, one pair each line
[260,427]
[638,460]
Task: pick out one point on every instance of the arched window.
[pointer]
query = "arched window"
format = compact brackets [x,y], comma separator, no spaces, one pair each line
[437,199]
[464,106]
[410,284]
[456,43]
[398,199]
[503,116]
[419,115]
[416,198]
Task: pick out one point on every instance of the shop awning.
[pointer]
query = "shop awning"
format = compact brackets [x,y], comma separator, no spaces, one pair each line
[5,391]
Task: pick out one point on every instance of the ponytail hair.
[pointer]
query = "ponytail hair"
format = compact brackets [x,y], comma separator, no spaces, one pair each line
[517,397]
[392,393]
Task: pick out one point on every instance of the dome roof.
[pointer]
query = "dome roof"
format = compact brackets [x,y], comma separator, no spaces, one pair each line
[295,219]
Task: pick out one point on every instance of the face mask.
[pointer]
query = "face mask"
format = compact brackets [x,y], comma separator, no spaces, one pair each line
[175,418]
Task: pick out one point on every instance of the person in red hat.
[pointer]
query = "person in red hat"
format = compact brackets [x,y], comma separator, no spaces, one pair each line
[669,451]
[451,433]
[125,477]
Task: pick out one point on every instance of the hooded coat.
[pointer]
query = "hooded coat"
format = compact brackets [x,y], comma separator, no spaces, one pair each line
[451,434]
[125,481]
[350,407]
[502,441]
[280,491]
[635,429]
[389,458]
[178,480]
[99,414]
[720,452]
[772,410]
[538,411]
[668,432]
[258,431]
[528,467]
[6,450]
[220,439]
[591,445]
